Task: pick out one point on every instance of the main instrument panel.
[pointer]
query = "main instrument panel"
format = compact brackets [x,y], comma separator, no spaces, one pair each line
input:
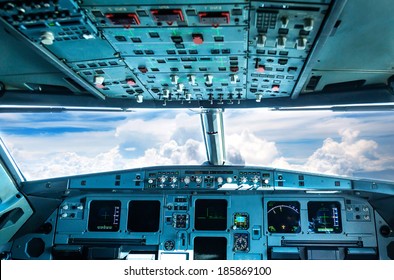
[229,213]
[176,53]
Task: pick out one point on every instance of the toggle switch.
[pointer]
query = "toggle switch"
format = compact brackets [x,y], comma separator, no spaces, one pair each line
[98,80]
[301,44]
[261,40]
[308,24]
[284,22]
[140,98]
[47,38]
[188,96]
[192,80]
[209,80]
[281,42]
[166,93]
[233,79]
[174,79]
[180,87]
[259,96]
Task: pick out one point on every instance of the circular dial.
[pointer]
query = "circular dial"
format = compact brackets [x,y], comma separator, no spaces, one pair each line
[284,217]
[169,245]
[241,242]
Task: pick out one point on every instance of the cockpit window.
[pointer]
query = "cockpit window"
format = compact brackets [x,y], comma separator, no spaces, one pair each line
[63,144]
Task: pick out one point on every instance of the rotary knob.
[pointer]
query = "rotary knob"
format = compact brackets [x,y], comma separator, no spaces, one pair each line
[198,179]
[163,179]
[219,180]
[229,180]
[186,180]
[150,181]
[173,180]
[255,180]
[243,180]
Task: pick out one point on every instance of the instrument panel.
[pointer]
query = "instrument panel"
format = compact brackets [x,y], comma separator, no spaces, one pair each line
[207,212]
[207,226]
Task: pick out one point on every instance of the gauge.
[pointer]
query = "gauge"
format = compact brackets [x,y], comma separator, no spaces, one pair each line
[324,217]
[241,242]
[104,215]
[241,221]
[284,217]
[169,245]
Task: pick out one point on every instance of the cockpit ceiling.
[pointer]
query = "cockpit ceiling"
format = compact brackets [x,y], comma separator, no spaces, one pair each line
[229,54]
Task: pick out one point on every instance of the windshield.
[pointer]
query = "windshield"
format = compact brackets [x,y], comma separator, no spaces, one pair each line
[62,144]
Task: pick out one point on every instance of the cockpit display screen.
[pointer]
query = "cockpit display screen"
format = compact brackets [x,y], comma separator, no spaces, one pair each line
[211,214]
[104,215]
[284,217]
[241,221]
[324,217]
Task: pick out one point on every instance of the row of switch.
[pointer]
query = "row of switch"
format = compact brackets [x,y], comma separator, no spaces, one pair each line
[199,179]
[280,43]
[234,78]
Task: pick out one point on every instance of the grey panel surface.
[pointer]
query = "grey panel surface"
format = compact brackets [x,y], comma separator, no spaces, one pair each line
[363,41]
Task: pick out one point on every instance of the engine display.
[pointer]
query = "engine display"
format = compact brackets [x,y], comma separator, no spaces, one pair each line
[241,221]
[211,214]
[104,215]
[324,217]
[144,216]
[284,217]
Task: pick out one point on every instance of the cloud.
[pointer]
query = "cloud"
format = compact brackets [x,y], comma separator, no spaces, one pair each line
[345,157]
[70,163]
[307,141]
[247,148]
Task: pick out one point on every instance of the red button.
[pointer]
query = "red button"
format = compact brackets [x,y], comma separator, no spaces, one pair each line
[275,88]
[260,68]
[198,39]
[130,82]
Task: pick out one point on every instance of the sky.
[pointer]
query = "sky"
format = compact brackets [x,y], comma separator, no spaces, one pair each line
[61,144]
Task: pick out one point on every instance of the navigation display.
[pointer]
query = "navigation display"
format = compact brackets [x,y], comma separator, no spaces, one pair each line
[324,217]
[104,215]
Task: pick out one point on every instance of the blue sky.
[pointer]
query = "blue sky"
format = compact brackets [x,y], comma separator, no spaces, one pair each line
[60,144]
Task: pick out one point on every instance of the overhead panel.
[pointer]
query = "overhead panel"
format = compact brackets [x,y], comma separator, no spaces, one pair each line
[219,53]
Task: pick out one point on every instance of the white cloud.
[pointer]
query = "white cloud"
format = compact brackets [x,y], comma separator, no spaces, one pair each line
[246,147]
[70,163]
[253,137]
[344,157]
